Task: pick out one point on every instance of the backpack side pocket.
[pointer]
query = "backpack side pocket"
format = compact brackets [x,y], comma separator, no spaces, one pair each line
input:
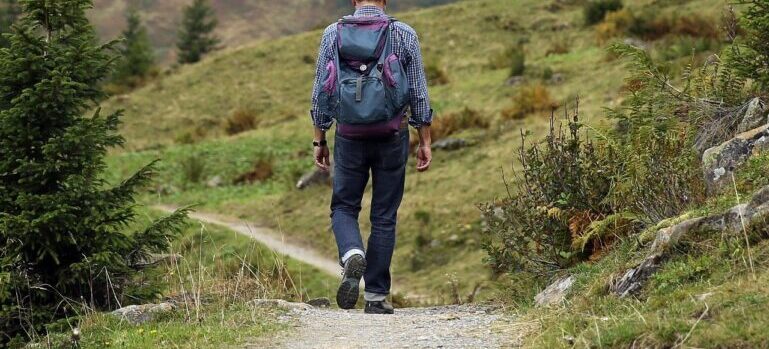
[327,99]
[397,82]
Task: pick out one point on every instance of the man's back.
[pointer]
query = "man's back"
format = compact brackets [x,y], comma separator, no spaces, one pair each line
[381,159]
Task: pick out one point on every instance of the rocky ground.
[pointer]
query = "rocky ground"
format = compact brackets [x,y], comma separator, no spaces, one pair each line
[467,326]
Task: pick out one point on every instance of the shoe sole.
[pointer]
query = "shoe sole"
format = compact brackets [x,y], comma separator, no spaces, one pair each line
[347,295]
[379,312]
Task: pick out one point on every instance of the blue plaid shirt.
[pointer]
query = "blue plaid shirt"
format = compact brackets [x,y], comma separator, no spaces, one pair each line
[405,45]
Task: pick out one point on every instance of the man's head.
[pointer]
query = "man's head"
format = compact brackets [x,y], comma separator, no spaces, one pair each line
[379,3]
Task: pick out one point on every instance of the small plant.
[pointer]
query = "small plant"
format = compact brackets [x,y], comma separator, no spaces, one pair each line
[448,124]
[240,121]
[558,47]
[513,58]
[436,75]
[192,136]
[262,170]
[595,11]
[528,100]
[563,180]
[193,169]
[617,23]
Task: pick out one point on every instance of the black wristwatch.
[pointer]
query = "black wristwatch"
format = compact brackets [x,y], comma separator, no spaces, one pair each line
[322,143]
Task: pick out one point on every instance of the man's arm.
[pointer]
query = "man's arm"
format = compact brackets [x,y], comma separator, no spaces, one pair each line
[324,56]
[424,152]
[321,122]
[421,113]
[321,153]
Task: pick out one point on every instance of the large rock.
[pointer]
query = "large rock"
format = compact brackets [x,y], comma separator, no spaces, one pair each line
[731,221]
[449,144]
[755,116]
[315,177]
[139,314]
[720,162]
[633,280]
[555,293]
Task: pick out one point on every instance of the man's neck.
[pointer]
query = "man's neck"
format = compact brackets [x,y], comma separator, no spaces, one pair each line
[362,4]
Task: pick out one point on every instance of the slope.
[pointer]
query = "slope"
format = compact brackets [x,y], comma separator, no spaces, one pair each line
[182,118]
[239,21]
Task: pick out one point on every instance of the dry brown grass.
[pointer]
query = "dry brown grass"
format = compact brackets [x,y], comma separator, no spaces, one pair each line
[241,120]
[262,170]
[528,100]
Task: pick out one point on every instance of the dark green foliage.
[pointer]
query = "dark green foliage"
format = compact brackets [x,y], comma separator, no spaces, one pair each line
[62,227]
[196,36]
[595,10]
[564,176]
[136,53]
[754,58]
[9,13]
[513,58]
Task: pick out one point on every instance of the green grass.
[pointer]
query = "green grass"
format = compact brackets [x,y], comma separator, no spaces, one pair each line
[274,79]
[218,273]
[222,325]
[705,296]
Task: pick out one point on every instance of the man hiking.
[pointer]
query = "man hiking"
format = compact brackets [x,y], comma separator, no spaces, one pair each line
[369,74]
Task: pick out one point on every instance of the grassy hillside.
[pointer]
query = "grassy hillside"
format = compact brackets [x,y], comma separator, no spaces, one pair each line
[218,273]
[182,119]
[239,21]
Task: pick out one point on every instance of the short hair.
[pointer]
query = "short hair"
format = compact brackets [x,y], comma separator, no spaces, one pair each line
[354,2]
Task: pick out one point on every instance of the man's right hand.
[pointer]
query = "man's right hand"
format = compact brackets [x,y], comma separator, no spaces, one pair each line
[322,158]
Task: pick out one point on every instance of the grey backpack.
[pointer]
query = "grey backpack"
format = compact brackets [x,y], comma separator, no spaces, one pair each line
[365,87]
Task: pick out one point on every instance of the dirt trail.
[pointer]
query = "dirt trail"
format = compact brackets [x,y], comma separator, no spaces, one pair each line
[268,237]
[466,326]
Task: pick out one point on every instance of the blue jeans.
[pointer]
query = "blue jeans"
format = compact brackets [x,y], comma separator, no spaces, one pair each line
[353,161]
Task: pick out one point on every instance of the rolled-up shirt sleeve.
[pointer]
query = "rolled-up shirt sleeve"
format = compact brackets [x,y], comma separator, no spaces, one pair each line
[421,113]
[325,55]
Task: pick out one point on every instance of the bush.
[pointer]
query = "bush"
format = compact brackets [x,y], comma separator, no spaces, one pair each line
[436,75]
[562,185]
[595,11]
[528,100]
[67,236]
[617,23]
[753,61]
[241,120]
[262,170]
[513,58]
[193,169]
[448,124]
[652,26]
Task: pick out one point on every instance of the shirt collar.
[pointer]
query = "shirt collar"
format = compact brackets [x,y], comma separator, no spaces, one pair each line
[369,10]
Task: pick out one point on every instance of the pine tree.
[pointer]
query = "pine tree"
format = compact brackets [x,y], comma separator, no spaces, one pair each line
[136,51]
[196,36]
[63,228]
[9,13]
[753,61]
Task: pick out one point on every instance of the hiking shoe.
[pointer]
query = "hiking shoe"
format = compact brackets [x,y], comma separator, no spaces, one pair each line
[347,295]
[379,308]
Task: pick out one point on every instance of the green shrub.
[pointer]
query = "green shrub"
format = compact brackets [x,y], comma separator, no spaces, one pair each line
[262,170]
[67,237]
[241,120]
[513,58]
[436,75]
[530,99]
[753,60]
[193,169]
[562,179]
[595,11]
[450,123]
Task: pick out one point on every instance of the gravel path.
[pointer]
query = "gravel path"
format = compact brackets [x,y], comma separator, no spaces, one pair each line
[435,327]
[268,237]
